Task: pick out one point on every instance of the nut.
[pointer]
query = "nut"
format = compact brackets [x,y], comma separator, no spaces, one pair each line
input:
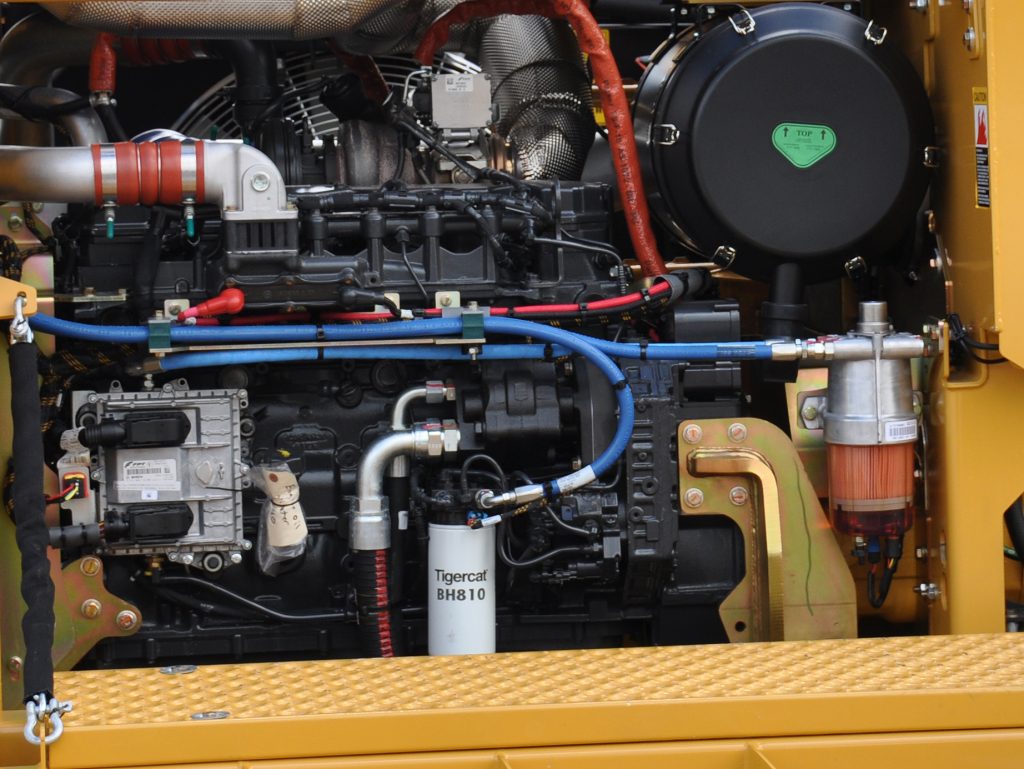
[90,566]
[91,608]
[260,181]
[127,619]
[692,433]
[737,432]
[738,495]
[693,498]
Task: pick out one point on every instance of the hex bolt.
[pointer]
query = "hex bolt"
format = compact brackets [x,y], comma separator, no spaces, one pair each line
[692,433]
[91,608]
[90,566]
[127,619]
[970,39]
[738,495]
[693,497]
[260,181]
[928,590]
[737,432]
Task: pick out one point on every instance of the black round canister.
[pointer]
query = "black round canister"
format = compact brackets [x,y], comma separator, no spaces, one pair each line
[790,133]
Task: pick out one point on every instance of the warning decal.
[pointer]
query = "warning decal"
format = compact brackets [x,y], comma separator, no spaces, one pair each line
[803,144]
[981,133]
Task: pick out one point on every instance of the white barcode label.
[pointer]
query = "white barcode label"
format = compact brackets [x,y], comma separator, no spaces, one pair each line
[149,474]
[905,430]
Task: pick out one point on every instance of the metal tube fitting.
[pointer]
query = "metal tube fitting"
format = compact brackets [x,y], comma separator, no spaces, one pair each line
[370,528]
[432,392]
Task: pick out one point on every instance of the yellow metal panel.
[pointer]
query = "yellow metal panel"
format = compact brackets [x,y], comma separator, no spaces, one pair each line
[1006,109]
[364,707]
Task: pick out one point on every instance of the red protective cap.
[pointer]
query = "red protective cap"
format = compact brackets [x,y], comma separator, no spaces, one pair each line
[230,301]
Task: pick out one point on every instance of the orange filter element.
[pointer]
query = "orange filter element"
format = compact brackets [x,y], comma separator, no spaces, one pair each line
[871,488]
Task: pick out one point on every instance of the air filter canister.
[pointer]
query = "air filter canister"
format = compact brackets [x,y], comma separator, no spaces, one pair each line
[870,434]
[789,133]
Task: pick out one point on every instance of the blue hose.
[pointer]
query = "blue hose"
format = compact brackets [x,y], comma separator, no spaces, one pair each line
[87,332]
[580,345]
[236,358]
[696,351]
[703,351]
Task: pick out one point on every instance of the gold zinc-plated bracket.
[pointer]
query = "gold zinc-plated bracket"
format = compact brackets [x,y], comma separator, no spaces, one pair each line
[85,613]
[796,583]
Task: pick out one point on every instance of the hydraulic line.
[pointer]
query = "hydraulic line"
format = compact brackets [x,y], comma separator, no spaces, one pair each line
[699,351]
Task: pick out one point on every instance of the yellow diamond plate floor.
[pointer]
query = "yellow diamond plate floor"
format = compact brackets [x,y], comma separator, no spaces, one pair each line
[359,707]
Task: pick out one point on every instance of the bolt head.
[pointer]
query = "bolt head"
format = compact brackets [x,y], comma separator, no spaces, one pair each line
[693,433]
[91,608]
[693,498]
[236,558]
[90,566]
[446,301]
[260,181]
[188,559]
[14,665]
[14,223]
[809,413]
[127,620]
[970,38]
[739,496]
[737,432]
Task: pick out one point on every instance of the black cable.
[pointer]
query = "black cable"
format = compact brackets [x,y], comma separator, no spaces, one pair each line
[486,459]
[577,531]
[538,559]
[266,611]
[408,265]
[959,335]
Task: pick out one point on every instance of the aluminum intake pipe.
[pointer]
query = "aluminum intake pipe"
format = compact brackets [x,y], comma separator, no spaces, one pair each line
[239,178]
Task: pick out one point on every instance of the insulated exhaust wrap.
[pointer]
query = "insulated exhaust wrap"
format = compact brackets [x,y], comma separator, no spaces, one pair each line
[29,511]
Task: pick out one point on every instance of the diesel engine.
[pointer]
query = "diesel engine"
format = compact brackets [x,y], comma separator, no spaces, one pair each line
[375,329]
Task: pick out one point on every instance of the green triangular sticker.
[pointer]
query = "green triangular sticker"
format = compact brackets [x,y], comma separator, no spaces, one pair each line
[803,144]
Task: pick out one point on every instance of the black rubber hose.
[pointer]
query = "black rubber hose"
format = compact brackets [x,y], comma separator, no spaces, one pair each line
[108,116]
[254,63]
[1014,518]
[31,532]
[399,494]
[372,602]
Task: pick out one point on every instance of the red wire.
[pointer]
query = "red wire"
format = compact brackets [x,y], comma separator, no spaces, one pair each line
[63,493]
